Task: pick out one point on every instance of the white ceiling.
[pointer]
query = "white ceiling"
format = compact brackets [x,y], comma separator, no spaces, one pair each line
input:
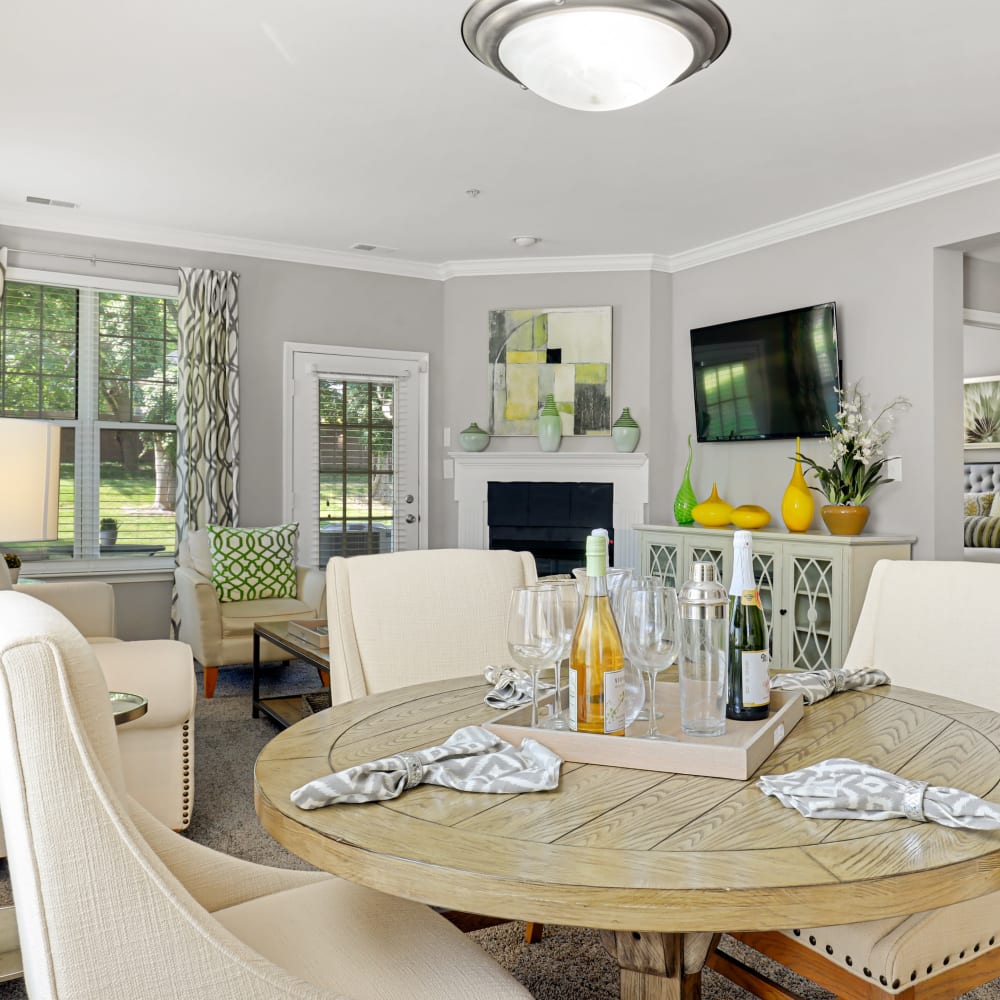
[316,124]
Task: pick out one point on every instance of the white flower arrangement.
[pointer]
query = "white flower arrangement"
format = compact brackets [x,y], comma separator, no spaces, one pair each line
[858,449]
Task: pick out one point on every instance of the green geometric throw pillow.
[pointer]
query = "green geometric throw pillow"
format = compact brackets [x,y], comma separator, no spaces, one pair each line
[252,563]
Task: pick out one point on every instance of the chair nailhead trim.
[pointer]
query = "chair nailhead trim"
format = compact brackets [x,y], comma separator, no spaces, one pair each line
[849,960]
[812,940]
[829,949]
[868,973]
[895,984]
[883,980]
[797,932]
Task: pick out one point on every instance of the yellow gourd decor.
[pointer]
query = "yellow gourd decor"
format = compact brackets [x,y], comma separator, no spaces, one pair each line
[713,512]
[797,505]
[750,516]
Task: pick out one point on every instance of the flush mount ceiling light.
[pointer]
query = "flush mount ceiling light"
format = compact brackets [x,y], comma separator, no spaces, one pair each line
[592,55]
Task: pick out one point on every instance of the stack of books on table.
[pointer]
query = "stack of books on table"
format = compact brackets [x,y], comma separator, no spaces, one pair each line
[311,630]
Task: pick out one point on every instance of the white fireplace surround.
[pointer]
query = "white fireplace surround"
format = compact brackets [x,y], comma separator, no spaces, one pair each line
[628,474]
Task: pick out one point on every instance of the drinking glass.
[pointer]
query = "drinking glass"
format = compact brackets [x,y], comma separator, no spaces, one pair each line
[569,602]
[638,583]
[651,636]
[534,632]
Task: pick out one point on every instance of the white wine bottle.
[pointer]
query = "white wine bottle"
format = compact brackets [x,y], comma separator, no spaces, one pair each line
[598,695]
[749,694]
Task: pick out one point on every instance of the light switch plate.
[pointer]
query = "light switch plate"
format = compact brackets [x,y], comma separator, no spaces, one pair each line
[448,468]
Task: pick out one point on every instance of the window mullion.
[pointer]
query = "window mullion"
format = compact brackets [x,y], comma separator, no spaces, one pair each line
[88,494]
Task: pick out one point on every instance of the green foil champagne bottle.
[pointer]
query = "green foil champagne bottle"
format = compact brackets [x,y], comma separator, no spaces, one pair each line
[749,692]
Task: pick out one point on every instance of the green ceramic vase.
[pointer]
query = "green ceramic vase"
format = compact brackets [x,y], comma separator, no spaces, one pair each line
[549,425]
[625,432]
[685,501]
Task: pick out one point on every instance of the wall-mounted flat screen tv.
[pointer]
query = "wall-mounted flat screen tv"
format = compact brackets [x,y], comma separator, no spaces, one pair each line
[772,376]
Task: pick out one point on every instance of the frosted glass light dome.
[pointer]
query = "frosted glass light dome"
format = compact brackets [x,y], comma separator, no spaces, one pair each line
[596,60]
[595,55]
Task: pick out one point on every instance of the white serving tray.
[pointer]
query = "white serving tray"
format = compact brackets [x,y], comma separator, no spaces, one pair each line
[736,754]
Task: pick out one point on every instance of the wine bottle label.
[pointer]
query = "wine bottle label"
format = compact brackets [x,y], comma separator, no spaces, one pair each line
[751,597]
[756,679]
[614,701]
[573,699]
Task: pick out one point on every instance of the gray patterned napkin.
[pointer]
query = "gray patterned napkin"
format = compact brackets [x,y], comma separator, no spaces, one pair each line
[841,788]
[511,687]
[472,759]
[816,685]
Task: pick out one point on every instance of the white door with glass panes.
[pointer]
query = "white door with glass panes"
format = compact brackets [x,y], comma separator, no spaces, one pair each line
[356,450]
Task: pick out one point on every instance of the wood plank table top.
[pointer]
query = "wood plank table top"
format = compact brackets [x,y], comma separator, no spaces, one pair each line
[644,851]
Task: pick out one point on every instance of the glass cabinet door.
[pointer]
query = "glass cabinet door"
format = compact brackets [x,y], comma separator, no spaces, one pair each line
[662,558]
[766,564]
[812,611]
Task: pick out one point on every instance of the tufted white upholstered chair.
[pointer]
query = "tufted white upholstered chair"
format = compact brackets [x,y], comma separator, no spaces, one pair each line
[158,749]
[400,618]
[112,905]
[221,634]
[942,952]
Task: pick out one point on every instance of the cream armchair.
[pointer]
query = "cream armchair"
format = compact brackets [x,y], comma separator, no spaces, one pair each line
[403,617]
[111,905]
[158,749]
[932,626]
[221,634]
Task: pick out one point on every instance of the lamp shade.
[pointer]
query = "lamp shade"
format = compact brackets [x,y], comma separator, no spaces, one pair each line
[29,487]
[595,55]
[596,60]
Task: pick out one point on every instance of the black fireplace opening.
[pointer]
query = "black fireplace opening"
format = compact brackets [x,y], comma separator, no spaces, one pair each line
[549,520]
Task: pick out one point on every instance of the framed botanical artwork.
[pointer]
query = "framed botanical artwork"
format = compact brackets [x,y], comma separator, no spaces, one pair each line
[565,351]
[982,412]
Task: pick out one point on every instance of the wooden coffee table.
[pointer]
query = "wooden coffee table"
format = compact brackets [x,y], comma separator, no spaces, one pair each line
[659,862]
[285,709]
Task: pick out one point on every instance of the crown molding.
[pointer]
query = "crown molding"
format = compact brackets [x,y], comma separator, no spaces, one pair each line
[551,265]
[182,239]
[909,193]
[924,188]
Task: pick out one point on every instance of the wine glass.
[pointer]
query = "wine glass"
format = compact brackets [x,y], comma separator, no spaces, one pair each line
[652,638]
[569,602]
[534,632]
[637,584]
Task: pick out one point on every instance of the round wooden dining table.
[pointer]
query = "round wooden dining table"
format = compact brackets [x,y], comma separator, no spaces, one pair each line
[660,862]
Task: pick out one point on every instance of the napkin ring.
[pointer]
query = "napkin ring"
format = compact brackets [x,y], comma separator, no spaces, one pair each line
[414,769]
[913,801]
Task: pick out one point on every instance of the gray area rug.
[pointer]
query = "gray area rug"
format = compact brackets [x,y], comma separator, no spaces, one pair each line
[568,964]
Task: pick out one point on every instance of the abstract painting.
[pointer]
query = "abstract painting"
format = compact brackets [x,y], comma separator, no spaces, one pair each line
[565,351]
[982,412]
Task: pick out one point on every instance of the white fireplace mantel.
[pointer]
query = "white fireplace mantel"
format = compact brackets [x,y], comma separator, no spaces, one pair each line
[628,473]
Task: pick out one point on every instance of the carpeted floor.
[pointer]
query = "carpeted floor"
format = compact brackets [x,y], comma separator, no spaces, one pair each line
[568,964]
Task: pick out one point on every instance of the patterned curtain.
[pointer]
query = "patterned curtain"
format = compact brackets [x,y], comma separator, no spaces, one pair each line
[208,398]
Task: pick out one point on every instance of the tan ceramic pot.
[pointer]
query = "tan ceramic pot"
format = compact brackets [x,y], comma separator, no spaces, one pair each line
[844,519]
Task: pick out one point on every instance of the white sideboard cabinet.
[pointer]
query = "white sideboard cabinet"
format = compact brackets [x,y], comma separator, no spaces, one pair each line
[812,584]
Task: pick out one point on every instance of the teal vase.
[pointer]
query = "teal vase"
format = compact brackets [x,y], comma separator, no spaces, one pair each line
[685,501]
[625,432]
[549,425]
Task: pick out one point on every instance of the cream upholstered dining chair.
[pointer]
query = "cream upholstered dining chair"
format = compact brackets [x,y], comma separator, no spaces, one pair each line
[110,904]
[220,633]
[934,626]
[400,618]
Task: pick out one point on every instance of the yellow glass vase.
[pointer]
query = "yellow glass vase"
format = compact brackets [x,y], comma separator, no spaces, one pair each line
[797,505]
[713,512]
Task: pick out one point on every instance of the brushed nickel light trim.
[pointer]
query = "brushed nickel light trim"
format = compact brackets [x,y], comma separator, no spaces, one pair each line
[487,23]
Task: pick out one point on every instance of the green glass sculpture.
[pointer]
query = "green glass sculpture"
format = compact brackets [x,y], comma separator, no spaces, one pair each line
[685,501]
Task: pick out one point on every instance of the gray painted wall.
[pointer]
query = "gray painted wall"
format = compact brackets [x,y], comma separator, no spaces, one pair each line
[982,285]
[899,305]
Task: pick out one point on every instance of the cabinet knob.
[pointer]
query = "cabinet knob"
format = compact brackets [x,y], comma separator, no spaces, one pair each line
[783,611]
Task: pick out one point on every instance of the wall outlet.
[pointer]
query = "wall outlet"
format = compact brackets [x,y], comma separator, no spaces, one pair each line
[446,437]
[448,468]
[894,469]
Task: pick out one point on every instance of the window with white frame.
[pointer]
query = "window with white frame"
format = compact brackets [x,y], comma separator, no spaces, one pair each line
[98,358]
